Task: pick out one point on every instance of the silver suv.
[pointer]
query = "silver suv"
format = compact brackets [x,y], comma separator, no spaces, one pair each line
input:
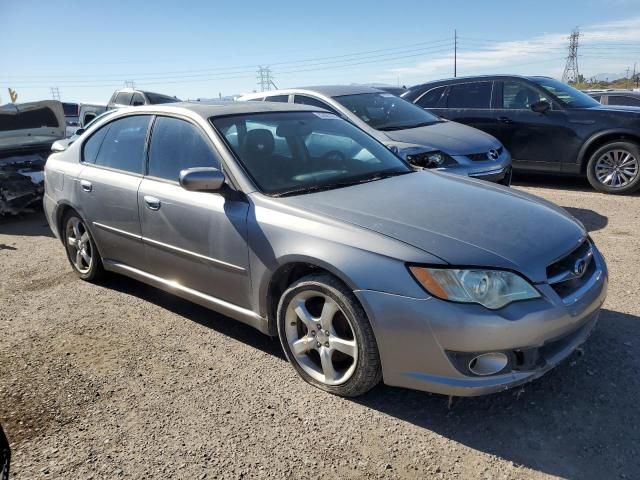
[294,221]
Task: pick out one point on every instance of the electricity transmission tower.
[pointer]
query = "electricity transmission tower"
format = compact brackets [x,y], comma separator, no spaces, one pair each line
[571,73]
[265,78]
[130,84]
[55,93]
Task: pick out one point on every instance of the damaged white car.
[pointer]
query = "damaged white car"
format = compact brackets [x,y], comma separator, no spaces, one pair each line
[27,132]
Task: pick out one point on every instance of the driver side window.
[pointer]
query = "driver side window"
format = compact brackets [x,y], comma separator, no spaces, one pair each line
[519,96]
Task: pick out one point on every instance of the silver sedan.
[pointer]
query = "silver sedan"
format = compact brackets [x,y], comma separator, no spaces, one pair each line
[296,222]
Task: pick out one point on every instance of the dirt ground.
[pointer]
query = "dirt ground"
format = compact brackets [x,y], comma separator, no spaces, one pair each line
[120,380]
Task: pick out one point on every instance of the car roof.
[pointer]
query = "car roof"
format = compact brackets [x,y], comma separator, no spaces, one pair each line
[326,90]
[208,110]
[446,81]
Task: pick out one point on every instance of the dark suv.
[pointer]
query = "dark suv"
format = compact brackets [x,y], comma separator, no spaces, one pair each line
[128,97]
[547,125]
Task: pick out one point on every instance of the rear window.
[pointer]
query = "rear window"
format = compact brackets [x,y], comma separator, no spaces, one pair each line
[470,95]
[41,117]
[70,109]
[156,98]
[123,98]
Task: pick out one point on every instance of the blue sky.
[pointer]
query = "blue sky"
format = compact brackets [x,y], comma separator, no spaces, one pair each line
[202,48]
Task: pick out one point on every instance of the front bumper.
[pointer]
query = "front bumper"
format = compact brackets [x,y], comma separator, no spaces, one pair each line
[497,171]
[417,335]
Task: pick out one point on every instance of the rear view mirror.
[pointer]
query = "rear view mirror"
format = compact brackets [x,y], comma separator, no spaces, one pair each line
[541,106]
[202,179]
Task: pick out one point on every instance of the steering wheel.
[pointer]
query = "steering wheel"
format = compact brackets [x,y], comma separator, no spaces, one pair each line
[334,156]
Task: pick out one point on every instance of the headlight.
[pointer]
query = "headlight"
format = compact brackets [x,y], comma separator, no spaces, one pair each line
[430,159]
[491,288]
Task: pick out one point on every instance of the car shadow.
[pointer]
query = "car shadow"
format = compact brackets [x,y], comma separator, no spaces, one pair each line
[591,220]
[580,420]
[556,182]
[189,310]
[32,224]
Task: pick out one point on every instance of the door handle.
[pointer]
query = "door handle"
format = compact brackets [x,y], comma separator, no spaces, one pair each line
[505,120]
[86,185]
[152,202]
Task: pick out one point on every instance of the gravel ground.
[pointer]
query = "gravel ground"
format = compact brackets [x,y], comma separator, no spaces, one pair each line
[120,380]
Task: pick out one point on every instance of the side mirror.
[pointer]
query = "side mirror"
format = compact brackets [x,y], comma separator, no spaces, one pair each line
[138,103]
[541,106]
[79,131]
[202,179]
[59,146]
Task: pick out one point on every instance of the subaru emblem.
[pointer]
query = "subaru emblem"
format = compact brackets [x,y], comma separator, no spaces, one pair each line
[579,267]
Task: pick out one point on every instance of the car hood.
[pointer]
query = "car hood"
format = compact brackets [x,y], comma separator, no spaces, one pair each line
[31,124]
[464,222]
[617,109]
[450,137]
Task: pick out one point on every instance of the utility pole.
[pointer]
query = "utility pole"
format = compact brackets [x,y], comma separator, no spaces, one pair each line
[55,93]
[571,73]
[130,84]
[265,79]
[627,78]
[455,53]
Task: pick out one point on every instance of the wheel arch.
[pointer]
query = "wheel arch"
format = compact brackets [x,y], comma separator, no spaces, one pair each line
[602,138]
[288,271]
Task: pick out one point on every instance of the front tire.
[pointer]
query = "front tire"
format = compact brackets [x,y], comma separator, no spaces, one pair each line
[327,337]
[81,249]
[615,168]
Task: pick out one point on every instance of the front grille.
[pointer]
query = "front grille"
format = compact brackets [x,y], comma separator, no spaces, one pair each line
[479,157]
[571,272]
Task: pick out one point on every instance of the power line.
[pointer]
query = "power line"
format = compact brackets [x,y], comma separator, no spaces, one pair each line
[425,46]
[571,72]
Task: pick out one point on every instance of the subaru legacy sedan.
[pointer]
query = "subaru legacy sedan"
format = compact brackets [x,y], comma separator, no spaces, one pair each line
[419,137]
[296,222]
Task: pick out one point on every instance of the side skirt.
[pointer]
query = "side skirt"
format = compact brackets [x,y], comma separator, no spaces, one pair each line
[229,309]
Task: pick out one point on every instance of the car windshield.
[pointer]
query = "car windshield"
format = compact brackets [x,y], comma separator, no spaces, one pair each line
[566,94]
[385,111]
[291,153]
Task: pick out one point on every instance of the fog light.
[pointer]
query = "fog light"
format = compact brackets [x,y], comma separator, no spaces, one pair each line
[488,363]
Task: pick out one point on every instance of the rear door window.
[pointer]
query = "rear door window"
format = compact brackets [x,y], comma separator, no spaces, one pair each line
[123,98]
[177,145]
[123,145]
[470,95]
[431,98]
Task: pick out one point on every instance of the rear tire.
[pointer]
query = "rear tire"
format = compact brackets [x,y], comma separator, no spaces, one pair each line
[327,337]
[615,168]
[81,248]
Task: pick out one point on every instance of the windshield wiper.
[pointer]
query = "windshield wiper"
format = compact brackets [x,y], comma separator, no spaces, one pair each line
[331,186]
[405,127]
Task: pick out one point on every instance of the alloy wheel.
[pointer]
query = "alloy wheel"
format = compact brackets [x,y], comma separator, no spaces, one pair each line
[321,337]
[79,245]
[617,168]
